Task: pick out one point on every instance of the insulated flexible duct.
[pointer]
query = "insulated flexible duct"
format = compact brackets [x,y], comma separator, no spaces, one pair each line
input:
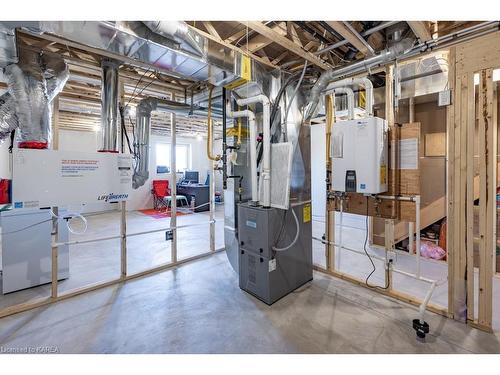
[32,85]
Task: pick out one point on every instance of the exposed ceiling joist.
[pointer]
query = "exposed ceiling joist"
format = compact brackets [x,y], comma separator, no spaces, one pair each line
[420,30]
[211,29]
[236,36]
[234,48]
[258,42]
[286,43]
[351,36]
[293,33]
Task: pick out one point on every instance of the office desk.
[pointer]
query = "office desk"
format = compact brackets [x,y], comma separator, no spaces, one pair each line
[200,193]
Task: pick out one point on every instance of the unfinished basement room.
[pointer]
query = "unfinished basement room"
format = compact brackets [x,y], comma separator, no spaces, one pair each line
[231,186]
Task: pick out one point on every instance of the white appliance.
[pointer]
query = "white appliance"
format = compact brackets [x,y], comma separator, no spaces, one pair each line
[52,178]
[359,155]
[27,249]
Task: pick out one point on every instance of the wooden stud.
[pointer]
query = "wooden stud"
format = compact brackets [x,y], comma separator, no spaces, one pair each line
[21,307]
[211,29]
[391,293]
[348,35]
[258,42]
[469,101]
[232,47]
[421,30]
[286,43]
[487,200]
[292,33]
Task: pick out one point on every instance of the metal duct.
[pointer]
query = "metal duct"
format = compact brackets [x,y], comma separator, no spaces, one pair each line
[109,106]
[134,43]
[331,75]
[8,116]
[176,29]
[142,130]
[32,85]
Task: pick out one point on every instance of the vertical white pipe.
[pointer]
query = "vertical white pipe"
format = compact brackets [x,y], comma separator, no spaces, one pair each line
[266,166]
[340,232]
[266,129]
[350,100]
[212,200]
[411,229]
[253,144]
[173,187]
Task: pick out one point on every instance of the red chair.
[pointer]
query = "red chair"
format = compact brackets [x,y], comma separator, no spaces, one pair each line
[160,191]
[162,197]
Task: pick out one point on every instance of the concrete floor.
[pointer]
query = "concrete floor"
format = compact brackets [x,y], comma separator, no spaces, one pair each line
[100,261]
[358,265]
[198,308]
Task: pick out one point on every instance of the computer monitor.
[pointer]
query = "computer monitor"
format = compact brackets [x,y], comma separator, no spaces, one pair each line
[191,176]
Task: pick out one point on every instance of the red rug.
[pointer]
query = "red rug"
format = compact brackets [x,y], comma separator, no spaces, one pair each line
[161,214]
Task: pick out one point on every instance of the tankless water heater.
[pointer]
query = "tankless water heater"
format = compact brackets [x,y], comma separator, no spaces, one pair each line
[359,156]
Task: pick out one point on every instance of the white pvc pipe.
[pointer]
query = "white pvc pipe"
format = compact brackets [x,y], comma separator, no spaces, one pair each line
[425,302]
[253,144]
[417,231]
[340,232]
[365,82]
[266,130]
[350,99]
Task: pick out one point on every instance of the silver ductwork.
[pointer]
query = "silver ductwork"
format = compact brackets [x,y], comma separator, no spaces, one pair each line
[8,115]
[332,75]
[177,30]
[109,106]
[32,85]
[187,54]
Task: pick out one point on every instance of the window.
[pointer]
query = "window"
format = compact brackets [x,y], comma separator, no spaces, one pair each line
[182,155]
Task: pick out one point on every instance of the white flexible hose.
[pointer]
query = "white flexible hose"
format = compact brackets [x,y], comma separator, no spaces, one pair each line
[296,235]
[72,215]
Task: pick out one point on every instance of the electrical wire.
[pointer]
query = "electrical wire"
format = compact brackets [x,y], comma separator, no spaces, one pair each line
[71,215]
[296,234]
[27,227]
[369,257]
[68,216]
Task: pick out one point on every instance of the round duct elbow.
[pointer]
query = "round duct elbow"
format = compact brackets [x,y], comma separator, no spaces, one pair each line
[139,179]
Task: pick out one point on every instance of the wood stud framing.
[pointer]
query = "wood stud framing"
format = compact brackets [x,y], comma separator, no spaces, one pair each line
[479,56]
[286,43]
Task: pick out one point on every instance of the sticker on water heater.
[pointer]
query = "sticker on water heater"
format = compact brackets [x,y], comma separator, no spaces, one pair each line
[362,186]
[272,265]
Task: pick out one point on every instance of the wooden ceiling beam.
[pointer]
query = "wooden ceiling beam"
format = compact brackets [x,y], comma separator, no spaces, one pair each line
[211,29]
[286,43]
[421,30]
[258,42]
[292,33]
[234,48]
[236,36]
[351,37]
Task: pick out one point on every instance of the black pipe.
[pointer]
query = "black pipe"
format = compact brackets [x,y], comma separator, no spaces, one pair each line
[224,140]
